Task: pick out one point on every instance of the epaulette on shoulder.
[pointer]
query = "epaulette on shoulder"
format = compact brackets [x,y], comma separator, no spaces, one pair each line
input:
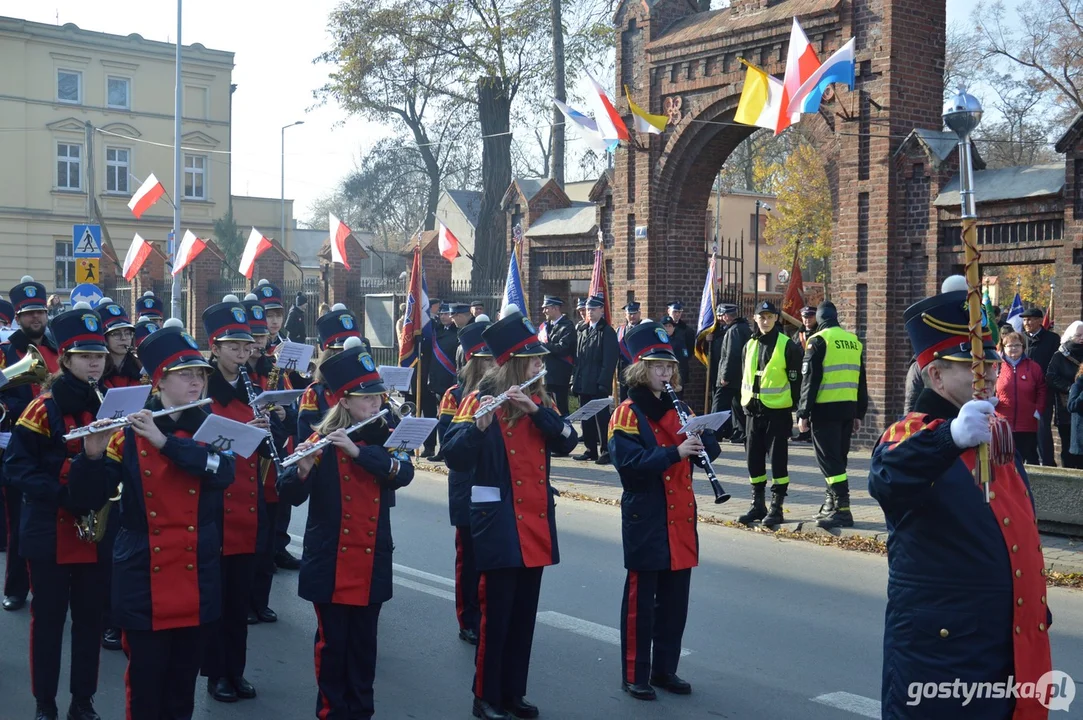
[448,404]
[315,436]
[467,408]
[115,449]
[308,400]
[624,419]
[36,416]
[906,428]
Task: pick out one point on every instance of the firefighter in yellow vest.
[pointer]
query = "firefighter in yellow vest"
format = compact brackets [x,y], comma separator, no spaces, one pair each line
[833,402]
[770,382]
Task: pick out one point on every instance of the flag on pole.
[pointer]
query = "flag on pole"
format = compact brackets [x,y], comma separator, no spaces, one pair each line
[761,99]
[1047,321]
[599,283]
[256,246]
[1015,314]
[449,244]
[513,284]
[644,121]
[708,321]
[416,321]
[586,128]
[993,329]
[801,62]
[339,233]
[794,299]
[839,68]
[190,247]
[138,252]
[610,123]
[147,194]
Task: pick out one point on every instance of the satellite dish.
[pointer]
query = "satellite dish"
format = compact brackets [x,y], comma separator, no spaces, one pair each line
[783,276]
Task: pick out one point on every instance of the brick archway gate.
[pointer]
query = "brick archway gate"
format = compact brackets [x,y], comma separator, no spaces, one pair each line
[685,63]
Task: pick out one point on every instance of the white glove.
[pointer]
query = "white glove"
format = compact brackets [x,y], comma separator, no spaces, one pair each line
[1037,415]
[972,427]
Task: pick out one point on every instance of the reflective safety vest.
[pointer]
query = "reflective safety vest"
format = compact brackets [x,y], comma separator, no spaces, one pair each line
[842,366]
[774,386]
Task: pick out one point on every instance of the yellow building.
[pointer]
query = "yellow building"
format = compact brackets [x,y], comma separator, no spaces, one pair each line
[738,221]
[84,118]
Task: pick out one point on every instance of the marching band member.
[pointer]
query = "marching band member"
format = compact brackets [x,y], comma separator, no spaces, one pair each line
[7,316]
[150,306]
[244,515]
[333,329]
[346,566]
[512,523]
[31,315]
[658,514]
[271,297]
[65,570]
[121,367]
[144,326]
[166,574]
[478,360]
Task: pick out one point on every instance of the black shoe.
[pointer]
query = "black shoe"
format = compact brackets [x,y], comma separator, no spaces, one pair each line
[428,453]
[585,456]
[46,711]
[438,457]
[221,689]
[253,618]
[520,708]
[111,639]
[468,635]
[13,603]
[603,459]
[640,691]
[486,711]
[671,683]
[83,709]
[837,519]
[242,687]
[266,615]
[286,561]
[737,441]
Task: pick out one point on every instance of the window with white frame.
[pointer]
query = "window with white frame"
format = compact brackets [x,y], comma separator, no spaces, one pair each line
[117,167]
[65,266]
[69,166]
[69,86]
[118,92]
[195,177]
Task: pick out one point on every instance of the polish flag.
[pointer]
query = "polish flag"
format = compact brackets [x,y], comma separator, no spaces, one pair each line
[147,194]
[256,246]
[339,232]
[449,244]
[190,247]
[610,123]
[801,63]
[137,255]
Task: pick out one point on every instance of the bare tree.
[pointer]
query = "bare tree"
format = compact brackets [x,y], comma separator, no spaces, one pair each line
[1018,133]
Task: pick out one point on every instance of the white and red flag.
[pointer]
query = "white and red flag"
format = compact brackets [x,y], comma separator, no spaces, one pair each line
[256,246]
[801,63]
[339,233]
[449,244]
[190,247]
[147,194]
[138,253]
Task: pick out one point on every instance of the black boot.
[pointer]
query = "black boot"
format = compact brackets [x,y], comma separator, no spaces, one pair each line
[840,516]
[829,504]
[82,709]
[485,711]
[758,510]
[221,689]
[46,711]
[111,639]
[774,517]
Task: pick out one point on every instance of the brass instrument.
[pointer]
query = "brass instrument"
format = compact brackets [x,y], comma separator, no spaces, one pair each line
[403,408]
[30,369]
[502,398]
[91,528]
[324,442]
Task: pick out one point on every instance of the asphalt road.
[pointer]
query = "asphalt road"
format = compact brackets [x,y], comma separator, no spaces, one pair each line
[774,627]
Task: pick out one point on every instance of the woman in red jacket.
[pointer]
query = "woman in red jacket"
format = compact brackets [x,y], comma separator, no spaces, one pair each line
[1021,394]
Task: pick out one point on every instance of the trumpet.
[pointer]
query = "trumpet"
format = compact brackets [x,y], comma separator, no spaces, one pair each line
[320,444]
[502,398]
[111,425]
[31,369]
[402,407]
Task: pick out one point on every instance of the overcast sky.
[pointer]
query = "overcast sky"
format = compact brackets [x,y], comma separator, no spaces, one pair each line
[274,45]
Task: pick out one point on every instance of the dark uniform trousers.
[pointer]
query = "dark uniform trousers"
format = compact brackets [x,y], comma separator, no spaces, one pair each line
[55,586]
[653,615]
[162,669]
[430,408]
[265,563]
[591,432]
[226,647]
[16,574]
[509,608]
[831,439]
[345,659]
[769,434]
[722,400]
[466,580]
[282,526]
[560,397]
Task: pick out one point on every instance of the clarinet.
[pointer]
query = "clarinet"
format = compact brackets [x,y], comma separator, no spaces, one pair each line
[243,371]
[720,495]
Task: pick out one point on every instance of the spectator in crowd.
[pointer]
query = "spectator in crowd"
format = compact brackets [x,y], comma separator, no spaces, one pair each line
[1060,375]
[401,321]
[1041,347]
[54,306]
[324,309]
[914,386]
[728,395]
[1075,407]
[295,321]
[1021,392]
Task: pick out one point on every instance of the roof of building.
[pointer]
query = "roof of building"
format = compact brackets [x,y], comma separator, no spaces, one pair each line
[1075,128]
[579,219]
[468,202]
[306,246]
[1014,183]
[530,186]
[747,193]
[579,191]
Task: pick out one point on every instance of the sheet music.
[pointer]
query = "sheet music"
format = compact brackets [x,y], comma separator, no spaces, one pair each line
[592,408]
[227,435]
[411,433]
[294,356]
[121,402]
[713,421]
[397,378]
[282,398]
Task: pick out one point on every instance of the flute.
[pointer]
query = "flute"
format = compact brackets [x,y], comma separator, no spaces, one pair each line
[502,398]
[110,425]
[324,442]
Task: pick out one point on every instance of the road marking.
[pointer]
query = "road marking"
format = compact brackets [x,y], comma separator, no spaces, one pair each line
[424,575]
[856,704]
[437,592]
[586,628]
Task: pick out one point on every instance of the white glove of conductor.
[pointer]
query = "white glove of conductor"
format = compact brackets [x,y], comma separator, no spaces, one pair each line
[972,427]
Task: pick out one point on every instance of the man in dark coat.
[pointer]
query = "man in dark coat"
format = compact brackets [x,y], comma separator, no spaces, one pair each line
[967,601]
[596,361]
[559,336]
[728,395]
[1042,345]
[295,321]
[632,317]
[683,340]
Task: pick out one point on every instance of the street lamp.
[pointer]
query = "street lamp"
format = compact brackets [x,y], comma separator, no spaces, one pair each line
[756,259]
[282,225]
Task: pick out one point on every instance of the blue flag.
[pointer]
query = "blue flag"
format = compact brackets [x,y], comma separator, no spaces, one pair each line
[1015,314]
[513,286]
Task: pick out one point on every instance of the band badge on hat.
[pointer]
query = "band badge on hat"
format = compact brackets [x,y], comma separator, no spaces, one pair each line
[30,291]
[90,321]
[266,291]
[115,310]
[148,303]
[366,362]
[187,338]
[239,316]
[347,322]
[257,312]
[663,336]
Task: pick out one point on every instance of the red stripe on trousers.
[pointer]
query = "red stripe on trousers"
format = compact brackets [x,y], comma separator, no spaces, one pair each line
[127,675]
[321,643]
[460,604]
[630,627]
[479,670]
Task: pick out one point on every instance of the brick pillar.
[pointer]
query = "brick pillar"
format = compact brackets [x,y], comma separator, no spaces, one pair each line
[1069,290]
[337,276]
[271,266]
[206,268]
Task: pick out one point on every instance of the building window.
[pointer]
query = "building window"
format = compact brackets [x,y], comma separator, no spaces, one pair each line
[117,168]
[195,176]
[118,92]
[69,165]
[65,266]
[763,282]
[69,86]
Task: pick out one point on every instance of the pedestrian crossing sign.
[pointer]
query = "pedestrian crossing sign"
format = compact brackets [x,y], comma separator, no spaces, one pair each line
[87,241]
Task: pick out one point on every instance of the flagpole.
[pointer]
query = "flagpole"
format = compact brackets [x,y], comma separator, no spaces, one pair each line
[420,331]
[175,291]
[714,308]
